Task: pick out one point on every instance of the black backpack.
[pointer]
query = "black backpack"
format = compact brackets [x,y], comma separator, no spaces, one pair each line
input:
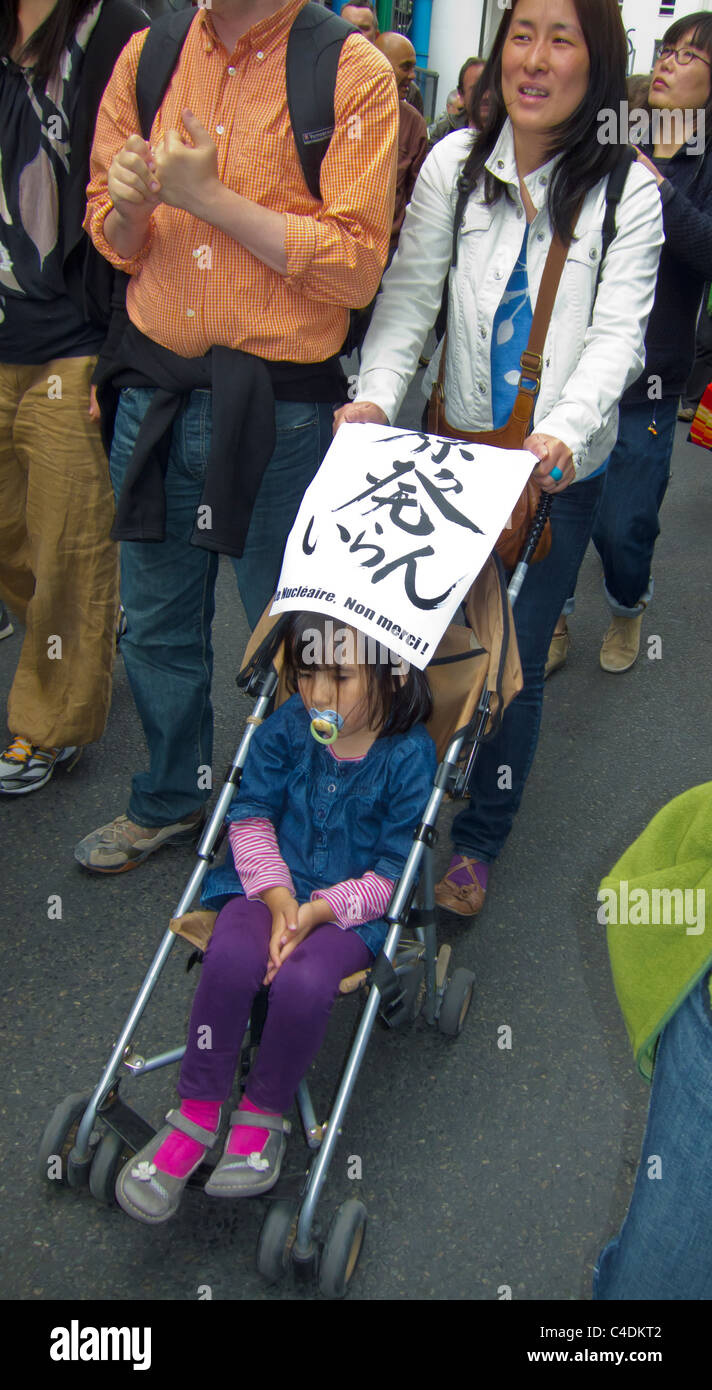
[313,51]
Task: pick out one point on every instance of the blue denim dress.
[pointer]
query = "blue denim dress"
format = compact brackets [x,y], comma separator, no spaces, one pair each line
[334,820]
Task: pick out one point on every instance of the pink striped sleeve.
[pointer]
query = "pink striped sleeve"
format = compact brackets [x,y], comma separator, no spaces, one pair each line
[358,900]
[257,858]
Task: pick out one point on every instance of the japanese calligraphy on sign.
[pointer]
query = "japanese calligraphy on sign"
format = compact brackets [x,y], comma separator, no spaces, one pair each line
[394,529]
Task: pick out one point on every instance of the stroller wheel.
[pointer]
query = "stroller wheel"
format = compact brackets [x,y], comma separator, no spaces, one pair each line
[342,1249]
[58,1139]
[276,1239]
[111,1154]
[456,1002]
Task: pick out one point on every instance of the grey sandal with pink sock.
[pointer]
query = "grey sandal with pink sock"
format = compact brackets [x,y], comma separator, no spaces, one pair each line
[146,1193]
[246,1175]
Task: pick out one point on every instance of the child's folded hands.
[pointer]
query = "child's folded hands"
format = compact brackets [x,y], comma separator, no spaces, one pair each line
[290,925]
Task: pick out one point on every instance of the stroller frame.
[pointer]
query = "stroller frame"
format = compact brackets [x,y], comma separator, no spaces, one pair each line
[76,1117]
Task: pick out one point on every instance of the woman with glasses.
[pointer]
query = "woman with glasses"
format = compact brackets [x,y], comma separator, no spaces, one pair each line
[679,155]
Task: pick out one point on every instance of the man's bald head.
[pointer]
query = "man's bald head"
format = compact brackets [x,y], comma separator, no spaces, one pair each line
[363,16]
[401,55]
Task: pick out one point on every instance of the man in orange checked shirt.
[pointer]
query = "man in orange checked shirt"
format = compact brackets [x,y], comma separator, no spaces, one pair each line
[240,286]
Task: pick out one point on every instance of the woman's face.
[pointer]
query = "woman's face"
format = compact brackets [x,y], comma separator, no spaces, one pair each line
[545,65]
[676,88]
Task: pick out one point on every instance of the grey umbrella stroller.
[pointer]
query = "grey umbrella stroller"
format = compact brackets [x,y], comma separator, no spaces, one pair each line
[473,676]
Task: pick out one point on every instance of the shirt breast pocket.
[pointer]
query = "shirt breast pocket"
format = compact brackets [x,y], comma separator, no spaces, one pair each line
[581,269]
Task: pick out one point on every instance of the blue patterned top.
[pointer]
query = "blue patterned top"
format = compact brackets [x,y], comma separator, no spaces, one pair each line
[510,335]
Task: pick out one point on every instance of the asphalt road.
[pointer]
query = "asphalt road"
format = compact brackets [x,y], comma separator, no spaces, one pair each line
[481,1167]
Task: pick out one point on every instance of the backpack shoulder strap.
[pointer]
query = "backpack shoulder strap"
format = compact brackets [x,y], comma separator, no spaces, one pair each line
[156,65]
[614,193]
[314,47]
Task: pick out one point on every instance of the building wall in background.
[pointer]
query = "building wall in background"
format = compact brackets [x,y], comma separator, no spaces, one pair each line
[644,25]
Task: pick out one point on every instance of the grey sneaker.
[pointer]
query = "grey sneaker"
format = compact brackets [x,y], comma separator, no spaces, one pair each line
[122,845]
[25,767]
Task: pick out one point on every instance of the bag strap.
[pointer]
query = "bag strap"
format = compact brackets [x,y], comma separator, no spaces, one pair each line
[314,48]
[156,65]
[532,358]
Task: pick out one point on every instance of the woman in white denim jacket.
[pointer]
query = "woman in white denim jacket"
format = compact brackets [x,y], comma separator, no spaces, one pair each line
[554,66]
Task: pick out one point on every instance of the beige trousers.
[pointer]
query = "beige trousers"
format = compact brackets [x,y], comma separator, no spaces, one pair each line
[58,568]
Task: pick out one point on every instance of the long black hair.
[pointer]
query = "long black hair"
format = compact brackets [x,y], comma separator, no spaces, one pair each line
[584,159]
[313,641]
[45,47]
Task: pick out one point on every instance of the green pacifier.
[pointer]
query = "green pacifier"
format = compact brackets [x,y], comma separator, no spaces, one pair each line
[325,725]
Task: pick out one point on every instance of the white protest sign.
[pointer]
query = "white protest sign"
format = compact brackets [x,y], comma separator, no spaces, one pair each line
[394,529]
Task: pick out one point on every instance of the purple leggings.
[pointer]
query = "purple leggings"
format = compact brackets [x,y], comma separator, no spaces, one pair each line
[300,1000]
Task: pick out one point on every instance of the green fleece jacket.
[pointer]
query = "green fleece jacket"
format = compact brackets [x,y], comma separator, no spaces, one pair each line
[653,903]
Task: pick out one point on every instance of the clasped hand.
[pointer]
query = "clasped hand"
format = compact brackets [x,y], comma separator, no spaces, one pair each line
[176,173]
[291,923]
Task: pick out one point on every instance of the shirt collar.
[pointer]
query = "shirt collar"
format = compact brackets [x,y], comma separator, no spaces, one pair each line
[503,165]
[262,37]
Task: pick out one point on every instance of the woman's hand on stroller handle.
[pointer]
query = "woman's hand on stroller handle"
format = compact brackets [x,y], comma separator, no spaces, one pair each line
[360,413]
[552,453]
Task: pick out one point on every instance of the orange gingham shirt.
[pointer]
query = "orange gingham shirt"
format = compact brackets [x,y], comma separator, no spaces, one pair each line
[189,298]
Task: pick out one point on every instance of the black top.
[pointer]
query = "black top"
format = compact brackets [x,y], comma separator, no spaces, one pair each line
[685,266]
[54,287]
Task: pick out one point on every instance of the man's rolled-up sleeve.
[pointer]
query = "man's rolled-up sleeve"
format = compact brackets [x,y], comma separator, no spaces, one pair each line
[116,121]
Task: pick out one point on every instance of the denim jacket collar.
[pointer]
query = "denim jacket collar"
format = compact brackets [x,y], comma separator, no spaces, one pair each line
[502,163]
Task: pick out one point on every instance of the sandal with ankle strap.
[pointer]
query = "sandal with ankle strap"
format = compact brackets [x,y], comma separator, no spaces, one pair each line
[246,1175]
[463,899]
[146,1193]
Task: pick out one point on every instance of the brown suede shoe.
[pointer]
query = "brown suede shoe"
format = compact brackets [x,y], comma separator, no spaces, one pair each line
[621,644]
[558,651]
[464,899]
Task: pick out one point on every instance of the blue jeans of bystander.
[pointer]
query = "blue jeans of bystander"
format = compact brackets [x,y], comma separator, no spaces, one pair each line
[627,526]
[664,1249]
[168,590]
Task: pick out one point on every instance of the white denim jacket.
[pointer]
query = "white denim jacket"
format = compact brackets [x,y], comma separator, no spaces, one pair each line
[588,361]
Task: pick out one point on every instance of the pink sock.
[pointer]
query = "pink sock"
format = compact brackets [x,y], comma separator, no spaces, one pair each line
[179,1153]
[242,1139]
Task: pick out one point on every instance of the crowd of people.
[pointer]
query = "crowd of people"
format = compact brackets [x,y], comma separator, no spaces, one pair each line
[177,283]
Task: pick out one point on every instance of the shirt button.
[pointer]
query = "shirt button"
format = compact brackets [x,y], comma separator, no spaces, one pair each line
[483,332]
[231,72]
[220,129]
[482,388]
[331,787]
[498,275]
[500,163]
[543,180]
[593,254]
[260,55]
[190,313]
[540,236]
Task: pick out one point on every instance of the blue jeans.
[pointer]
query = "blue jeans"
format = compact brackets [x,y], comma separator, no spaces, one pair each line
[626,526]
[503,765]
[664,1249]
[168,590]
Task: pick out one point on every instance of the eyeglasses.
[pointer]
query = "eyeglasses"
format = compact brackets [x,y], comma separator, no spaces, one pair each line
[683,56]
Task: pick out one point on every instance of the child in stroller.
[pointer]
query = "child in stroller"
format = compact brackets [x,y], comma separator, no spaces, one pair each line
[321,828]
